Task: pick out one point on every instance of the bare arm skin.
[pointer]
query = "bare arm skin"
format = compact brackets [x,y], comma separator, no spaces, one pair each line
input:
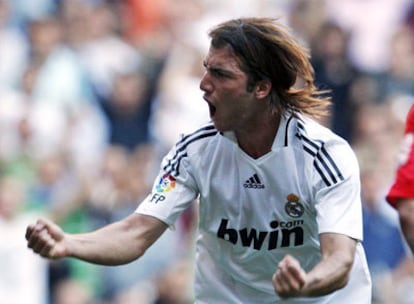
[405,208]
[115,244]
[330,274]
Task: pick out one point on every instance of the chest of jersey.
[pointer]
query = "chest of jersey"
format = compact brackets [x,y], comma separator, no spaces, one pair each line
[261,204]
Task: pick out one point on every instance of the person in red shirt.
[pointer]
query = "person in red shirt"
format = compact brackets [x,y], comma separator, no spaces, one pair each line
[401,193]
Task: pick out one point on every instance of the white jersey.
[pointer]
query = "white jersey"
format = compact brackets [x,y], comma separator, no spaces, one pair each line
[252,212]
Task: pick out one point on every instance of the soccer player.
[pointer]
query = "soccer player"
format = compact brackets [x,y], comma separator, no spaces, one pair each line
[279,194]
[401,193]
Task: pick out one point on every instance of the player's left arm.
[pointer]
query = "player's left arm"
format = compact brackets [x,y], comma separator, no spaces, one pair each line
[330,274]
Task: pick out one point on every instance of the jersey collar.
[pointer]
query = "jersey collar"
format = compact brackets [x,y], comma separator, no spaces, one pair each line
[282,135]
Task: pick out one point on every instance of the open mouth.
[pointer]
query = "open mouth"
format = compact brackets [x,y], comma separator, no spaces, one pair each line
[212,109]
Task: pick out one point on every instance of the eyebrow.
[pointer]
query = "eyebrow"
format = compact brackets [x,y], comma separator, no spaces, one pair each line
[217,69]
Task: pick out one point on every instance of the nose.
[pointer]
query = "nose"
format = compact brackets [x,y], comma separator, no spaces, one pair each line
[205,83]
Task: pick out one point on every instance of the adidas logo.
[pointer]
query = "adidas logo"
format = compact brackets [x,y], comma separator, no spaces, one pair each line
[253,182]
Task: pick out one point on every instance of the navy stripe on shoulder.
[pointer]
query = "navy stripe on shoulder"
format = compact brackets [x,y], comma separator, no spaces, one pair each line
[207,128]
[287,130]
[323,161]
[173,164]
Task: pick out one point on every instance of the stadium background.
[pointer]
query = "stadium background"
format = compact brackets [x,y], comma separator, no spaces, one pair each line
[94,92]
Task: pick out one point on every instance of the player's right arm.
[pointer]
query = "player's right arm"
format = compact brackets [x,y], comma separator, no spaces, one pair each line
[115,244]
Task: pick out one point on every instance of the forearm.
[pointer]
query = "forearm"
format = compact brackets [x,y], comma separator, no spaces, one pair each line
[115,244]
[406,213]
[330,274]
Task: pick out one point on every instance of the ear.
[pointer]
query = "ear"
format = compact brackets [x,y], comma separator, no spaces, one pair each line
[262,89]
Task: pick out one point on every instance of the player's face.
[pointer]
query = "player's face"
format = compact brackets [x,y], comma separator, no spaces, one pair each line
[224,85]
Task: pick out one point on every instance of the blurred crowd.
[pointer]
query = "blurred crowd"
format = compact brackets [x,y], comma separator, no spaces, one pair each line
[94,92]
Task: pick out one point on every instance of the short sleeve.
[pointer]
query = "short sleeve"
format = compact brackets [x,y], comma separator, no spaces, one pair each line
[338,204]
[173,190]
[403,186]
[409,127]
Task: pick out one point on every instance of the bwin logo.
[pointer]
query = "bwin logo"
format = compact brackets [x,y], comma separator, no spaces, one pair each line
[289,232]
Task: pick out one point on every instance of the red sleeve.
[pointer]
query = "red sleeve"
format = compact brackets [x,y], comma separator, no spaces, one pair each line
[409,126]
[403,186]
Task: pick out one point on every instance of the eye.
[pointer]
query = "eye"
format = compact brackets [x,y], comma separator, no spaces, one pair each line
[217,73]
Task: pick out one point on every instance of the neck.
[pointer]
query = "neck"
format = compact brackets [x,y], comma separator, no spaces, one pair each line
[257,140]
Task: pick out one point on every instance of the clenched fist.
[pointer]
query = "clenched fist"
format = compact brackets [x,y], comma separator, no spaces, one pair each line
[289,278]
[47,239]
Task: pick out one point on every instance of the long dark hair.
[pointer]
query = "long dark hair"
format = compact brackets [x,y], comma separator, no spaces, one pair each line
[267,51]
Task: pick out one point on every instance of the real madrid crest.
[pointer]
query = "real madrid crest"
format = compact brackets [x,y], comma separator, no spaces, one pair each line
[293,207]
